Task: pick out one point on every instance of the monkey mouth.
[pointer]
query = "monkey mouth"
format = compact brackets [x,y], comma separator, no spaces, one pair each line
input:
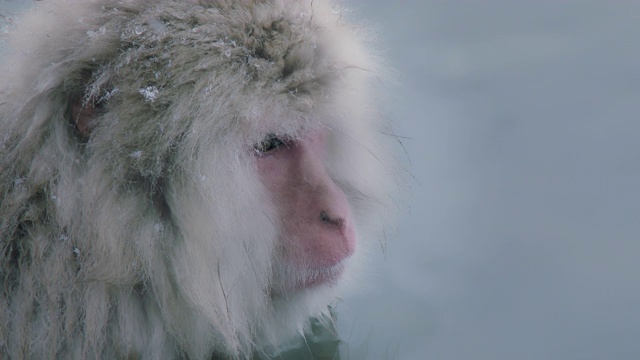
[319,276]
[305,279]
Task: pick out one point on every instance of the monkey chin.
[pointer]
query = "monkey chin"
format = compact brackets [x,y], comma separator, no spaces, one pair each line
[308,279]
[315,277]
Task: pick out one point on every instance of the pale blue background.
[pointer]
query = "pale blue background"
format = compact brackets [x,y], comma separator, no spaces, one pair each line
[522,238]
[522,241]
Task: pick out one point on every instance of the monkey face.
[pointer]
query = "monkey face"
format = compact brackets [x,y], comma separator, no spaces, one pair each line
[316,229]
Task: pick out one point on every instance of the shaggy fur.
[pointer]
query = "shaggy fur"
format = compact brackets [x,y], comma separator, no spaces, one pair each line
[150,237]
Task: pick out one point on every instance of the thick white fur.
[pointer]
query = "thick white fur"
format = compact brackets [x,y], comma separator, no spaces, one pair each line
[153,238]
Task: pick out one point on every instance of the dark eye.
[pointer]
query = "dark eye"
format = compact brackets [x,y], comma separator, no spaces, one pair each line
[270,143]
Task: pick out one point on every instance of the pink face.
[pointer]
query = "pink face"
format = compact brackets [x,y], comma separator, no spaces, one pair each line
[315,221]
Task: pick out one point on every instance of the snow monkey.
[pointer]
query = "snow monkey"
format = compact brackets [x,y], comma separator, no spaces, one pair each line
[184,179]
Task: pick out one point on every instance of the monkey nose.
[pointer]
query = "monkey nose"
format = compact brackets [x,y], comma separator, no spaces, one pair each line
[339,240]
[331,221]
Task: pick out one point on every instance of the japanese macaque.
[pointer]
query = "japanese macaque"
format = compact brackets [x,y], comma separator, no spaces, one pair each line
[184,179]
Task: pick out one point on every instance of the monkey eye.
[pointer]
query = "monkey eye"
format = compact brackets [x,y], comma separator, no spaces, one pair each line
[270,143]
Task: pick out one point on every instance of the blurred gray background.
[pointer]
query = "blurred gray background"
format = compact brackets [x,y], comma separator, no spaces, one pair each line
[521,237]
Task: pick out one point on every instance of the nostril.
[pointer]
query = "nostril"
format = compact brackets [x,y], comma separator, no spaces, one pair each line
[325,218]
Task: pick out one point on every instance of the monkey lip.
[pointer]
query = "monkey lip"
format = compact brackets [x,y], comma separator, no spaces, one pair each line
[320,276]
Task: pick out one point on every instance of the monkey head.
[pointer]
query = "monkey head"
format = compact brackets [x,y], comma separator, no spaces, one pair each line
[182,178]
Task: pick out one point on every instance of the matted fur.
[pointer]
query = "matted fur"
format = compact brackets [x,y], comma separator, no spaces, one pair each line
[152,237]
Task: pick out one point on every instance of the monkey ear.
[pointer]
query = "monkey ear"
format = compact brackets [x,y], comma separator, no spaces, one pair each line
[82,114]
